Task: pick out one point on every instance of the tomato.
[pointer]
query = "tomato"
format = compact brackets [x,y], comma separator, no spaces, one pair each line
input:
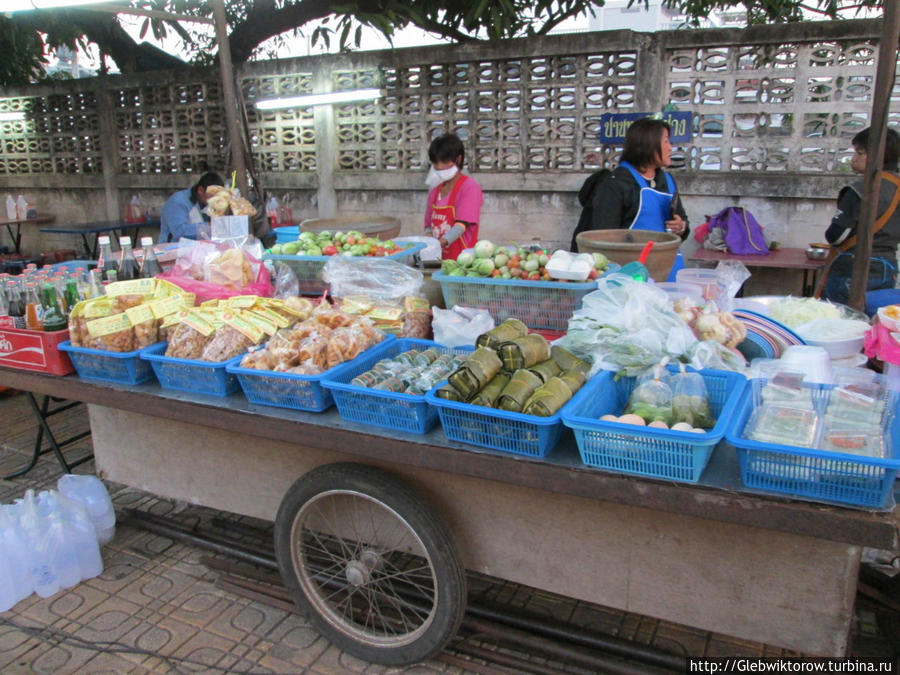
[593,274]
[496,273]
[330,250]
[534,276]
[351,240]
[513,262]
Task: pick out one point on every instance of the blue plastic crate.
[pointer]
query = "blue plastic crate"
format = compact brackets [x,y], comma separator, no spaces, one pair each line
[542,305]
[644,451]
[811,473]
[118,367]
[513,432]
[286,234]
[192,375]
[308,268]
[290,390]
[402,412]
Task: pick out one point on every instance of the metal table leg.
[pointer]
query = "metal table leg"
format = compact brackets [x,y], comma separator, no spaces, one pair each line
[42,413]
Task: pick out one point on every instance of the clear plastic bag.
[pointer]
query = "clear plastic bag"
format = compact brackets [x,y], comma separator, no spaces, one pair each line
[384,281]
[286,282]
[651,398]
[459,326]
[690,400]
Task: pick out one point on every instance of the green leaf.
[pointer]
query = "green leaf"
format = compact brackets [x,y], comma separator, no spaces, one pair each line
[144,26]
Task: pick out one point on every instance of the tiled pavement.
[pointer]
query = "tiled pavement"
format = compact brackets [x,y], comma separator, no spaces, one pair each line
[156,607]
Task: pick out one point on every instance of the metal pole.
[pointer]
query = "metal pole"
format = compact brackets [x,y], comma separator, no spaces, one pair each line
[238,165]
[884,82]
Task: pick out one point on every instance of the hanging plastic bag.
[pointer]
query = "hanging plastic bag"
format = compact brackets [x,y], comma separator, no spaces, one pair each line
[286,283]
[690,400]
[380,280]
[460,326]
[651,398]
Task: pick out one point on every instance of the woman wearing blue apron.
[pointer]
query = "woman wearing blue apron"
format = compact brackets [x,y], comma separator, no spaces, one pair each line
[639,195]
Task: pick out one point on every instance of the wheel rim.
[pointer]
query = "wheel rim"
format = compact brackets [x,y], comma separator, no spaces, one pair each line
[363,568]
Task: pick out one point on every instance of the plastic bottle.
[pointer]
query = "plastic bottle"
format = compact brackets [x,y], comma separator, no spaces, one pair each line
[272,211]
[21,208]
[60,539]
[106,261]
[112,276]
[128,267]
[149,264]
[83,536]
[41,547]
[15,550]
[90,492]
[33,310]
[52,318]
[95,284]
[10,208]
[4,303]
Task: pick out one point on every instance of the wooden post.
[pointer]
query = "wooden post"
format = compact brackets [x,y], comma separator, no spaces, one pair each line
[238,163]
[884,79]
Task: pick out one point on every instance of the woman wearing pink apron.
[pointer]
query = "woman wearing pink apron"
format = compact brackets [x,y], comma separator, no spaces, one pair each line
[454,201]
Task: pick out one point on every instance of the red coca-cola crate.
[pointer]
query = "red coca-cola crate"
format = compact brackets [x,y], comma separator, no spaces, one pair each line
[34,350]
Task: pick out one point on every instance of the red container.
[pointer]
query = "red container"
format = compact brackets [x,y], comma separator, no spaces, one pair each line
[34,350]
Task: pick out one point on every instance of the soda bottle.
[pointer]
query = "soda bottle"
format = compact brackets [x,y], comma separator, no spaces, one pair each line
[112,276]
[71,295]
[95,283]
[106,261]
[16,304]
[53,318]
[149,264]
[32,308]
[128,267]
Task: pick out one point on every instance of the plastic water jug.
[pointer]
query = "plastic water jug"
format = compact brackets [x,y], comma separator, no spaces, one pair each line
[60,538]
[83,537]
[41,548]
[15,552]
[10,208]
[91,493]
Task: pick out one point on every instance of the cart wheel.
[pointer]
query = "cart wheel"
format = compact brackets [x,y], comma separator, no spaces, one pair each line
[372,568]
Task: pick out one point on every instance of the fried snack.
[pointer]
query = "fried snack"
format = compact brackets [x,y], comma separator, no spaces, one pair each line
[242,207]
[226,343]
[218,204]
[230,269]
[122,302]
[78,333]
[212,190]
[315,350]
[146,333]
[332,318]
[301,306]
[258,360]
[345,344]
[186,342]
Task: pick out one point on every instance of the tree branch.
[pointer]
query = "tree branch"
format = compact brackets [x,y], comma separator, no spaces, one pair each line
[265,21]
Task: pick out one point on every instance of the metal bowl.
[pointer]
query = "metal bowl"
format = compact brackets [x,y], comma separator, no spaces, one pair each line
[817,253]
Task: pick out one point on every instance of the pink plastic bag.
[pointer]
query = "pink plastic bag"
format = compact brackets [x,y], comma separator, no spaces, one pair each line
[205,290]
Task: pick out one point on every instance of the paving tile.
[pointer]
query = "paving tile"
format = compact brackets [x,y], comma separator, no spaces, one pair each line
[108,622]
[107,663]
[205,648]
[200,604]
[118,572]
[247,621]
[62,658]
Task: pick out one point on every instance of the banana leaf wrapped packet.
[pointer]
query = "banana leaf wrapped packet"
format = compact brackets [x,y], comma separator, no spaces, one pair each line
[574,379]
[475,372]
[546,369]
[524,352]
[518,390]
[488,396]
[548,398]
[448,393]
[566,360]
[508,330]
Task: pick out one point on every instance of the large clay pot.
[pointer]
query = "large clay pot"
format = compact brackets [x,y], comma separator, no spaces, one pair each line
[624,246]
[384,226]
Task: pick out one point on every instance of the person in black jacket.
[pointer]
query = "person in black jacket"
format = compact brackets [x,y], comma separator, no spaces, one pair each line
[883,264]
[639,194]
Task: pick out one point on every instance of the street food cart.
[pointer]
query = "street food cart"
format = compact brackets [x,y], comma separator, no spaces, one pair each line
[406,514]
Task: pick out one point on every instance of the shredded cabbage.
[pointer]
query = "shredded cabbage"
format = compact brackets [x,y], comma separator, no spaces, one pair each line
[793,312]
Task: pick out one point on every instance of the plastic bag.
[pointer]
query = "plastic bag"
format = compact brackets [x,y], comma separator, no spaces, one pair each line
[201,267]
[731,275]
[286,283]
[459,326]
[651,398]
[690,400]
[384,281]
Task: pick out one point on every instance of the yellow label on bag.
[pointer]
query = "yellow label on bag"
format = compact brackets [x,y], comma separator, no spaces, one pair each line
[166,306]
[170,320]
[197,322]
[414,303]
[210,304]
[140,314]
[386,314]
[282,306]
[356,305]
[97,308]
[242,301]
[272,316]
[247,328]
[130,287]
[108,325]
[260,322]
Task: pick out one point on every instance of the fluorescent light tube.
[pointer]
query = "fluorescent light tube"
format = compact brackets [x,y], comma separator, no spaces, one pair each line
[320,99]
[24,5]
[11,116]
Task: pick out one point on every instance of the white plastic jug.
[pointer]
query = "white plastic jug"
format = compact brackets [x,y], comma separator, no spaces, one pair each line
[83,537]
[60,538]
[91,493]
[21,208]
[10,208]
[41,548]
[15,550]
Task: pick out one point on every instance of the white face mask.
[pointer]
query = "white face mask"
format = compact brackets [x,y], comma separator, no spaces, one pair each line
[437,176]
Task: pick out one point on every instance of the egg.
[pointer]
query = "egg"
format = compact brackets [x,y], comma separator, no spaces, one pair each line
[631,418]
[682,426]
[609,418]
[658,424]
[698,430]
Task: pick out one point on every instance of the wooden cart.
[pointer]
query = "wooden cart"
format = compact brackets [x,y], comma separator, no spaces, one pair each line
[374,529]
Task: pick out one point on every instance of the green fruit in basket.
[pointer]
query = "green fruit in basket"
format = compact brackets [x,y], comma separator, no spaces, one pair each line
[312,249]
[276,249]
[305,236]
[290,248]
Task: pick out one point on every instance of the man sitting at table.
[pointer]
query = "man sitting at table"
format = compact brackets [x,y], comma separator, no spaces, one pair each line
[181,214]
[841,234]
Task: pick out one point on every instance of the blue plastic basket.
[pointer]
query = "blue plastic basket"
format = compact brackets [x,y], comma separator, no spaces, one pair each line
[643,451]
[512,432]
[71,265]
[820,475]
[546,305]
[199,377]
[402,412]
[286,234]
[118,367]
[290,390]
[308,268]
